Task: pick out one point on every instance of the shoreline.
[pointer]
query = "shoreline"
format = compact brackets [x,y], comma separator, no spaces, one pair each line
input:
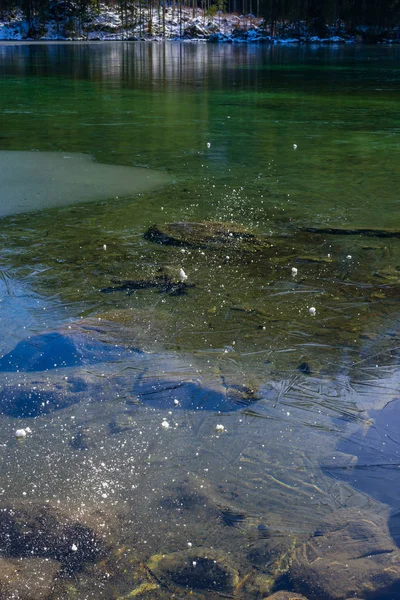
[107,25]
[236,42]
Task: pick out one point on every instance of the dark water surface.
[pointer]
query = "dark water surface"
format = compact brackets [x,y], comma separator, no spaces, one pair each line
[308,403]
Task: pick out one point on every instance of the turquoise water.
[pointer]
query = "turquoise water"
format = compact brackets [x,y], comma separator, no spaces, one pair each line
[303,137]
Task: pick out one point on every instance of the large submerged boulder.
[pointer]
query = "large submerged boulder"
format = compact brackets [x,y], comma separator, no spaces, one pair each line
[196,569]
[42,532]
[174,392]
[212,235]
[27,578]
[350,556]
[43,395]
[57,349]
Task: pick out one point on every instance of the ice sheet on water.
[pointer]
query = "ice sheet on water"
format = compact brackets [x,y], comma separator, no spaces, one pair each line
[376,450]
[39,180]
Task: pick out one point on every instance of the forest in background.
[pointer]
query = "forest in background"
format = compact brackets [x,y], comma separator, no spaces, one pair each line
[342,15]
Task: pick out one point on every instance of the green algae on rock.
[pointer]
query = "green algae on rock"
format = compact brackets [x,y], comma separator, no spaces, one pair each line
[211,235]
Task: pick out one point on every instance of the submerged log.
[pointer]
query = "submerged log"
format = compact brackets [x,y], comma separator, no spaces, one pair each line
[365,231]
[164,284]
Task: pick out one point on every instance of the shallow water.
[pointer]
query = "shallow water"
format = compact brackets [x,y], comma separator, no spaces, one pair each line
[95,374]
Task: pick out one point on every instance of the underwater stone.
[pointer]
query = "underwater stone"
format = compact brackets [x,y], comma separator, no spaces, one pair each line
[27,578]
[40,353]
[354,556]
[32,399]
[37,531]
[57,349]
[271,557]
[200,501]
[196,568]
[273,549]
[156,391]
[211,235]
[388,275]
[305,368]
[23,402]
[82,439]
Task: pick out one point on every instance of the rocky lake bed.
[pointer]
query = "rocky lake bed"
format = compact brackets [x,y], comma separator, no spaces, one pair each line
[102,387]
[199,389]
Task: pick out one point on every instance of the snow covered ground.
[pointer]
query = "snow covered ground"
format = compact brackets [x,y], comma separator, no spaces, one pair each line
[188,25]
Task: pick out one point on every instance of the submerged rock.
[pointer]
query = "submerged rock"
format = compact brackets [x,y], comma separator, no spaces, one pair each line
[55,350]
[41,353]
[197,569]
[177,393]
[272,550]
[209,235]
[41,396]
[304,368]
[27,578]
[37,531]
[83,439]
[351,555]
[189,497]
[23,402]
[271,557]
